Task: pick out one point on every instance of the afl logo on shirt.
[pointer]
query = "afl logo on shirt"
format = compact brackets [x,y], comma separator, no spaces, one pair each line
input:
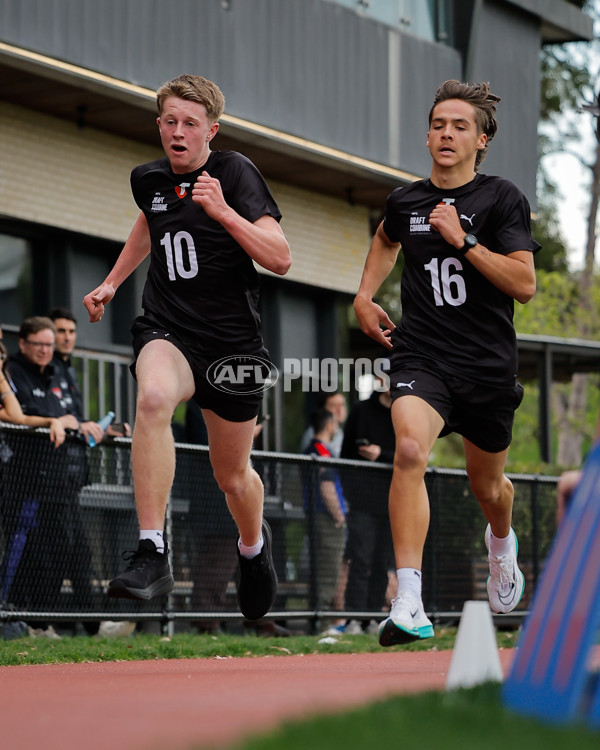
[181,189]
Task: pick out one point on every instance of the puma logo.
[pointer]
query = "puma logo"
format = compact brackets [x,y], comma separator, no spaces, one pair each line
[405,385]
[466,218]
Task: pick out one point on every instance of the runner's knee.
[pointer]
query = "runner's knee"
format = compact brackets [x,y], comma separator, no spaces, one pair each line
[409,455]
[232,482]
[153,403]
[490,490]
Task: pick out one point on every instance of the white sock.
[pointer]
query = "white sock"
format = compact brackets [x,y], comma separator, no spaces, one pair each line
[156,536]
[500,547]
[253,551]
[409,579]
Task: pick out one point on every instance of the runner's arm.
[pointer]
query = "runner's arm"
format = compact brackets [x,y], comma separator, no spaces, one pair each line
[263,240]
[513,274]
[380,261]
[133,253]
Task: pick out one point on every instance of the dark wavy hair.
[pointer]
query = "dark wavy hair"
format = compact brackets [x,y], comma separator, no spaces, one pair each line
[481,98]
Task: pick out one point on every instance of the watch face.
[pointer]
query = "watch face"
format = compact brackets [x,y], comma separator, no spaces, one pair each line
[470,240]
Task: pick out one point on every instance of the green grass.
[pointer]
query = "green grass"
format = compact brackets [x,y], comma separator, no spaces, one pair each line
[472,719]
[187,646]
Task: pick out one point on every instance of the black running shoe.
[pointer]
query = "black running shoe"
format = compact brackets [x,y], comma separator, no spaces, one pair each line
[147,575]
[258,580]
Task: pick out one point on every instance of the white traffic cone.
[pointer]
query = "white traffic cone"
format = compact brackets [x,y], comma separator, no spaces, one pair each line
[475,655]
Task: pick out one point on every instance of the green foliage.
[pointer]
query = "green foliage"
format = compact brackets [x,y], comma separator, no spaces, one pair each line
[554,309]
[564,80]
[567,82]
[546,230]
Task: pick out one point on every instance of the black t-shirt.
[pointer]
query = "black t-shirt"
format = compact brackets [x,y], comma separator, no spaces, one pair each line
[54,474]
[372,420]
[38,391]
[201,283]
[451,314]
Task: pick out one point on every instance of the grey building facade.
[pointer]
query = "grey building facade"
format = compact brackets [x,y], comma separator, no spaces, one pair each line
[329,99]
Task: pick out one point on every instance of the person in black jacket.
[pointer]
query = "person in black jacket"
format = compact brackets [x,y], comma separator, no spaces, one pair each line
[66,338]
[369,436]
[47,541]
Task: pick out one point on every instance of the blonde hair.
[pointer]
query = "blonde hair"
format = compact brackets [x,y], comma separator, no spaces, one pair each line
[194,89]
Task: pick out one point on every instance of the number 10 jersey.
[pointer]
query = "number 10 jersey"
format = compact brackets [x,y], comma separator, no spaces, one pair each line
[201,282]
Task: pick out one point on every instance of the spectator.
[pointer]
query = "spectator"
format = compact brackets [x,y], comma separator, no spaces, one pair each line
[10,411]
[369,436]
[326,506]
[47,541]
[66,338]
[336,404]
[10,408]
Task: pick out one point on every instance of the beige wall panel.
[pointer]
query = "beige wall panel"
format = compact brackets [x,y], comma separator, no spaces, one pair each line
[328,237]
[53,173]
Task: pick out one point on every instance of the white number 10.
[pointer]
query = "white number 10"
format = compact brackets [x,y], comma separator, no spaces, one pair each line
[174,253]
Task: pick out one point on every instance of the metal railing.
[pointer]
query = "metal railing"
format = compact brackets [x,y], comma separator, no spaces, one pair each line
[67,515]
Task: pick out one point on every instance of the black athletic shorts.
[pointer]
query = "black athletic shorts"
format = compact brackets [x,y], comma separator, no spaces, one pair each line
[232,404]
[483,414]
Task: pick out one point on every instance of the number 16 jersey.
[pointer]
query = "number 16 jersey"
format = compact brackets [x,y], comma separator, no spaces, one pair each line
[451,314]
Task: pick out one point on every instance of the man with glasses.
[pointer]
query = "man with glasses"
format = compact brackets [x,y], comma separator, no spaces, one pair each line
[32,372]
[42,490]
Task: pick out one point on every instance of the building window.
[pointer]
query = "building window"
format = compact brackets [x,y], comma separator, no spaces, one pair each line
[427,19]
[15,279]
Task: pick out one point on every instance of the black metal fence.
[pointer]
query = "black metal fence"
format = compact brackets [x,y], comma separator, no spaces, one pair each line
[67,515]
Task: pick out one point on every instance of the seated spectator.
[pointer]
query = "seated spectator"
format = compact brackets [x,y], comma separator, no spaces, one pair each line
[10,408]
[46,538]
[326,508]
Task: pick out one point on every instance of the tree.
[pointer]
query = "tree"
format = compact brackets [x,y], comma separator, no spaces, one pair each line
[570,73]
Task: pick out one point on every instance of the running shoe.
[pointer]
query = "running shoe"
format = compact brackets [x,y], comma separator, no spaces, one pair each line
[407,622]
[506,583]
[258,580]
[147,575]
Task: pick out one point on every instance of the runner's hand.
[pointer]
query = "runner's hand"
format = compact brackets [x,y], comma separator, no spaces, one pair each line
[370,318]
[95,301]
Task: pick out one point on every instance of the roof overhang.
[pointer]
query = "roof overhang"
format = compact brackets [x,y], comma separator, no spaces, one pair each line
[560,21]
[88,98]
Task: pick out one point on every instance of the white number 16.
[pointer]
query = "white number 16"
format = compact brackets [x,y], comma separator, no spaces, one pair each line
[447,287]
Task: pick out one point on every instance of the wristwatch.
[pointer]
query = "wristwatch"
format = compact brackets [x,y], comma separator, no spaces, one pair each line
[469,242]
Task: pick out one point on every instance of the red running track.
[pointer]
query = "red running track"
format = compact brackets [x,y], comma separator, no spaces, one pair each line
[174,704]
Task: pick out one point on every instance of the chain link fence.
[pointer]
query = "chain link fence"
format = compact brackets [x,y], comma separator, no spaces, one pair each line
[68,514]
